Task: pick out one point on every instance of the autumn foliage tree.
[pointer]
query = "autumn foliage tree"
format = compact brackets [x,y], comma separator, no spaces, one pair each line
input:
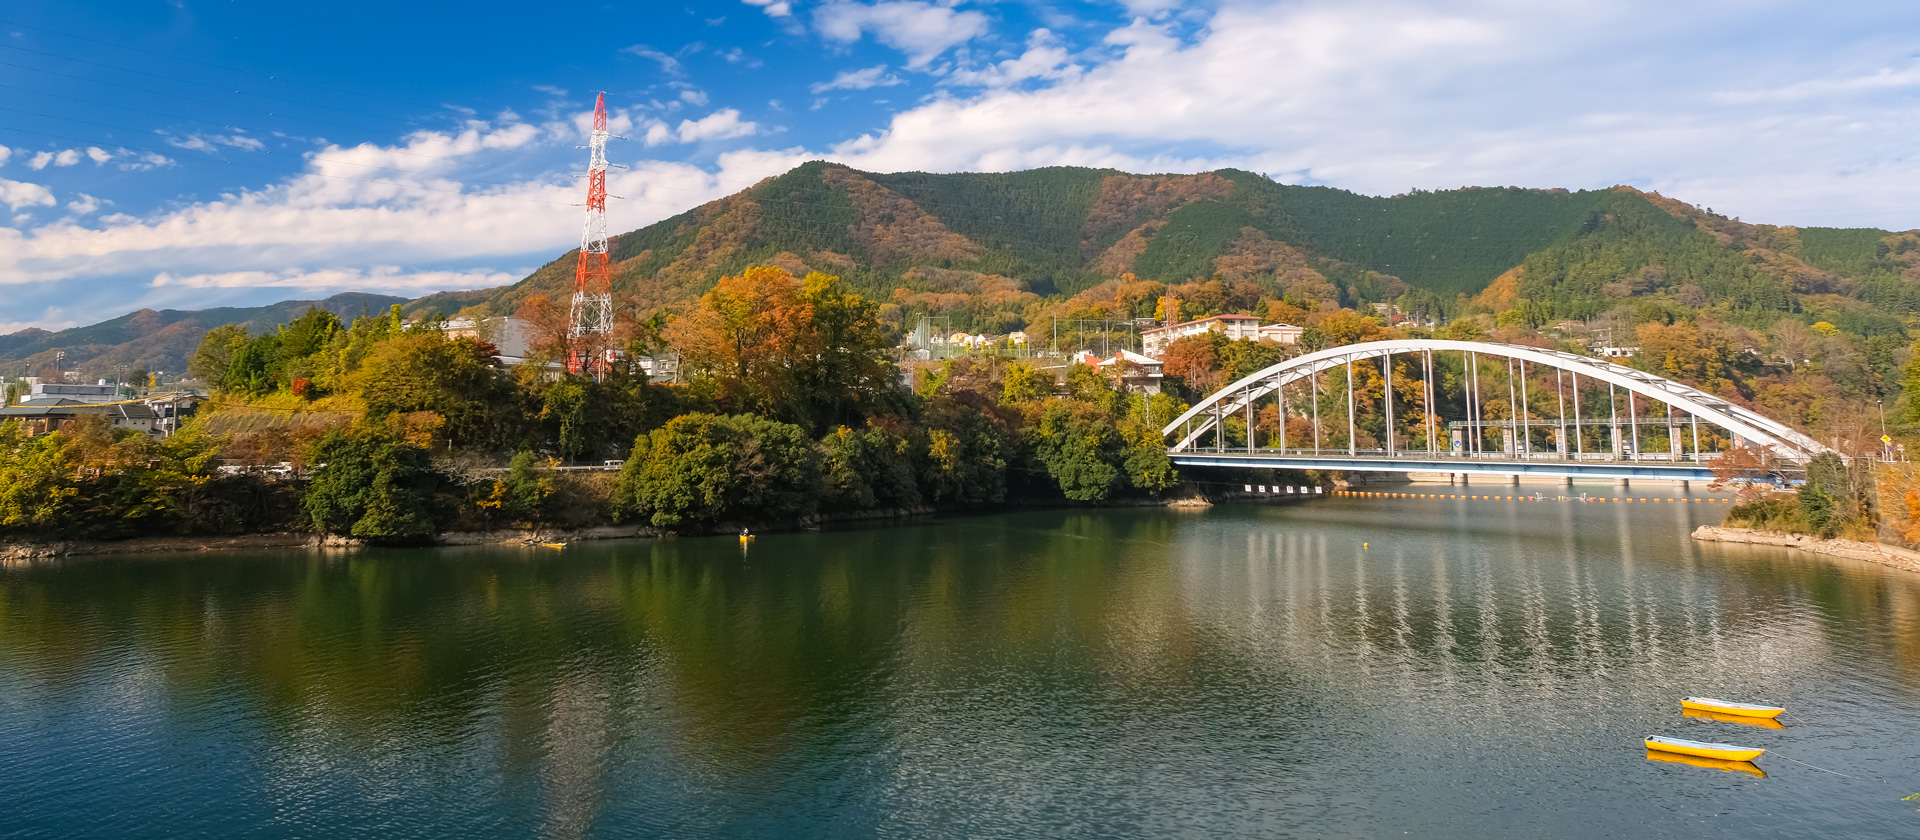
[807,351]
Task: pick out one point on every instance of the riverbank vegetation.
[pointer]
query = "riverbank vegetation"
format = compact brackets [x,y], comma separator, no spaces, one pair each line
[387,431]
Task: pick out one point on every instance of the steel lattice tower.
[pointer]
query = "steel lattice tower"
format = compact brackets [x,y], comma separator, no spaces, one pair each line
[590,325]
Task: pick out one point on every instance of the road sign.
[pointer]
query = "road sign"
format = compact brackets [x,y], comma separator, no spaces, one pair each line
[1885,439]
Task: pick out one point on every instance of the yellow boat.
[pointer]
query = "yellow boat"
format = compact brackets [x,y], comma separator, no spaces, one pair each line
[554,545]
[1702,749]
[1747,767]
[1728,707]
[1763,723]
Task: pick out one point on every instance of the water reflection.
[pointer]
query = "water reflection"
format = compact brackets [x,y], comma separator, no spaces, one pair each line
[1746,767]
[1343,668]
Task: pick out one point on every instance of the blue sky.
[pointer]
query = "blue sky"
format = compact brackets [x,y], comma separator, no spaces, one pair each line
[198,153]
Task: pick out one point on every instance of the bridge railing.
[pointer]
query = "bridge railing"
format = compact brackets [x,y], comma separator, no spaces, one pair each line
[1475,457]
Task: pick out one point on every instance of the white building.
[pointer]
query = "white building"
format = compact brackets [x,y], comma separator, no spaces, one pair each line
[1236,327]
[1282,333]
[105,392]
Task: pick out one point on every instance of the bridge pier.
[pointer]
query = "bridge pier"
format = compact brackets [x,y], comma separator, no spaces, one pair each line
[1621,483]
[1513,481]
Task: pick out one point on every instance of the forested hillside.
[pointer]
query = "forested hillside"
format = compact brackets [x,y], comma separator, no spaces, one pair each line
[1002,251]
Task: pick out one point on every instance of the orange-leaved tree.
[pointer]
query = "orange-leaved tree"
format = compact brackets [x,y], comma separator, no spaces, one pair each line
[806,352]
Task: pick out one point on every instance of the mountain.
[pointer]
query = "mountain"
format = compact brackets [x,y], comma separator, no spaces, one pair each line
[999,250]
[1065,229]
[159,340]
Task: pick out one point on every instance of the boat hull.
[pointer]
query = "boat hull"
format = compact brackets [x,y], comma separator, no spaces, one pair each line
[1727,707]
[1743,720]
[1725,752]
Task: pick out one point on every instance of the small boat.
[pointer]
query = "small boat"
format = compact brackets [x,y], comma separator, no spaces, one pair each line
[1703,749]
[553,545]
[1763,723]
[1728,707]
[1746,767]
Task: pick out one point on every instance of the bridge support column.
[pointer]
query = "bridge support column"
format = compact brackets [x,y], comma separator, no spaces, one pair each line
[1621,483]
[1513,481]
[1567,482]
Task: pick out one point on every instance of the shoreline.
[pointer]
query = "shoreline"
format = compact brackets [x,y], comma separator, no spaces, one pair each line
[28,552]
[1871,552]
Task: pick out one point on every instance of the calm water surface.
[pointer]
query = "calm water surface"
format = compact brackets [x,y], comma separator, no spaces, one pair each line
[1476,669]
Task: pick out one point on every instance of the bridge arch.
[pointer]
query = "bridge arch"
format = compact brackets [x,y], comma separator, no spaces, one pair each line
[1240,396]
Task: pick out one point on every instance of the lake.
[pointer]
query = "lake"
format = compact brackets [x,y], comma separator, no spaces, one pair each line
[1350,667]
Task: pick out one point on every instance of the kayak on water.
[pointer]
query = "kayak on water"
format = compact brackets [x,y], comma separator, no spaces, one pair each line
[1703,749]
[1728,707]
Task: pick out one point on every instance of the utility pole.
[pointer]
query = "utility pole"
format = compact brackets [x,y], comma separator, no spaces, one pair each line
[590,325]
[1886,442]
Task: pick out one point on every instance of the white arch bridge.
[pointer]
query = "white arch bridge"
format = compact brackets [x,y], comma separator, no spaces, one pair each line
[1430,405]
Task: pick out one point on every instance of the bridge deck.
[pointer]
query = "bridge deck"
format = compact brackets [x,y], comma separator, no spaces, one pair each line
[1540,464]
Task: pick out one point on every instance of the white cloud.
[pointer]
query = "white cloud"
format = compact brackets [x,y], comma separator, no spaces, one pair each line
[1045,58]
[64,157]
[921,30]
[50,321]
[697,98]
[378,278]
[1881,80]
[719,125]
[98,155]
[739,56]
[4,154]
[83,205]
[773,8]
[132,160]
[862,79]
[207,142]
[18,194]
[668,64]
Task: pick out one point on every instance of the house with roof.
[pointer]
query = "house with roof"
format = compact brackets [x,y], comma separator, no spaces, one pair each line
[41,416]
[1137,374]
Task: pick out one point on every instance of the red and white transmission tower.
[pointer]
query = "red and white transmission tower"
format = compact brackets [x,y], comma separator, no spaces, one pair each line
[591,323]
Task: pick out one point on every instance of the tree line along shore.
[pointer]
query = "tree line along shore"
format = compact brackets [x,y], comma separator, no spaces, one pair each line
[389,432]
